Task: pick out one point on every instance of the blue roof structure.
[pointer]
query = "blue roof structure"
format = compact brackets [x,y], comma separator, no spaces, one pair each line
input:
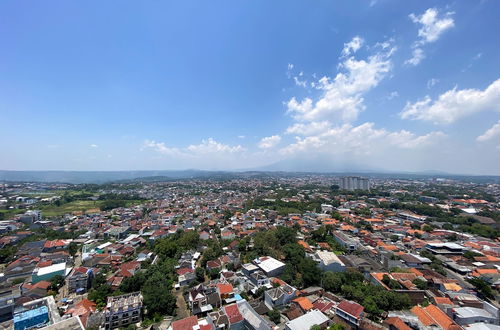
[31,317]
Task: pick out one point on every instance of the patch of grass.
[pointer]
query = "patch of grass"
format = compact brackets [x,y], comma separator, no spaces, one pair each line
[75,206]
[7,214]
[79,206]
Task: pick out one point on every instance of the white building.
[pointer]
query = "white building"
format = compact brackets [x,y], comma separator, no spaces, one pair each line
[328,261]
[270,266]
[354,183]
[306,321]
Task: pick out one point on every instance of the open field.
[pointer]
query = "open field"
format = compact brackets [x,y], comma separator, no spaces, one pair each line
[75,206]
[78,206]
[7,214]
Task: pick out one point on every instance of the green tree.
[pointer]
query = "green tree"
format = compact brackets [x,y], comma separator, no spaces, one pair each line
[371,306]
[471,255]
[158,298]
[200,274]
[294,253]
[285,235]
[73,248]
[332,281]
[108,205]
[166,248]
[56,282]
[447,226]
[260,292]
[482,287]
[133,283]
[274,316]
[420,284]
[214,273]
[427,228]
[311,274]
[7,253]
[100,295]
[99,279]
[189,239]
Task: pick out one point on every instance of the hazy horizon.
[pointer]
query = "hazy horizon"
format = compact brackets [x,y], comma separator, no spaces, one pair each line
[358,85]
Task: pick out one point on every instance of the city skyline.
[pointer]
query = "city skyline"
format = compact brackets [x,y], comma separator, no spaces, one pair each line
[330,86]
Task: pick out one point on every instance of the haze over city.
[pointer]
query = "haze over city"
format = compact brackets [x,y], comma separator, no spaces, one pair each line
[269,85]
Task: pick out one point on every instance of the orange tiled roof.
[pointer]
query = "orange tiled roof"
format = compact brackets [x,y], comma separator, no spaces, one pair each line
[372,220]
[452,287]
[487,258]
[304,303]
[225,288]
[397,323]
[324,246]
[304,244]
[478,272]
[443,301]
[432,315]
[347,228]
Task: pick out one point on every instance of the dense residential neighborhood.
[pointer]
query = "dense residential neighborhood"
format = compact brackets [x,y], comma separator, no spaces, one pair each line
[250,165]
[253,251]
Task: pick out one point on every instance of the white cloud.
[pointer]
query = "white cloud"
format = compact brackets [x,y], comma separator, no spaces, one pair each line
[352,46]
[209,154]
[94,146]
[431,82]
[298,82]
[361,139]
[211,146]
[407,140]
[454,104]
[206,147]
[311,128]
[289,70]
[341,97]
[393,95]
[490,133]
[417,57]
[431,26]
[241,136]
[269,142]
[475,58]
[160,147]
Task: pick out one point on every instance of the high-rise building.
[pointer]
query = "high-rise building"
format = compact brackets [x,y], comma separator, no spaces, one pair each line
[354,183]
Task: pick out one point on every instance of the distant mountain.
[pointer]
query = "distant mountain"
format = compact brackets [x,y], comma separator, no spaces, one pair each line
[97,176]
[281,169]
[319,164]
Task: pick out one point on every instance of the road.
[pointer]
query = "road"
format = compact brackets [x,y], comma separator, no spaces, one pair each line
[182,310]
[63,290]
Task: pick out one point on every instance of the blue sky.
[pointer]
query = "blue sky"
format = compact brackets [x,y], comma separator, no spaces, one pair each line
[126,85]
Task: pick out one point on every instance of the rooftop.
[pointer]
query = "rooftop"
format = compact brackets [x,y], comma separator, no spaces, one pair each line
[127,301]
[268,264]
[306,321]
[51,269]
[328,257]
